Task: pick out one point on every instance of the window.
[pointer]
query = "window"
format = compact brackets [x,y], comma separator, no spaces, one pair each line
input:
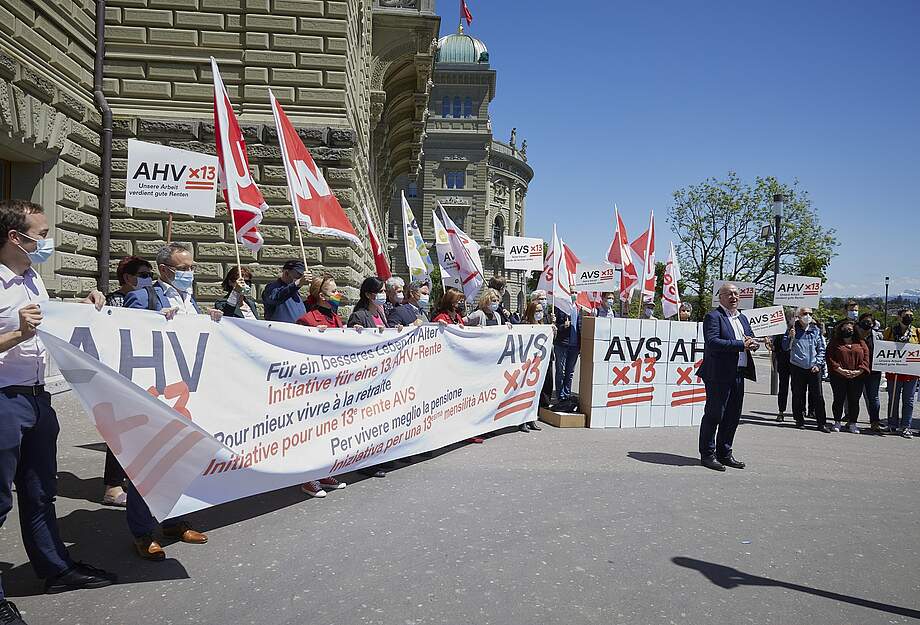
[412,190]
[456,179]
[498,232]
[6,180]
[468,107]
[445,106]
[457,111]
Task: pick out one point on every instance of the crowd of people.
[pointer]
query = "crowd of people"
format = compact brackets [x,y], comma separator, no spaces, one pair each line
[166,284]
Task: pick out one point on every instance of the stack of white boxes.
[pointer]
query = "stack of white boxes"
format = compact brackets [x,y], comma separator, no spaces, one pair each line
[639,390]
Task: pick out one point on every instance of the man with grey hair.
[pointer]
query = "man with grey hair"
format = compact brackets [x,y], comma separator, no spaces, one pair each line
[400,310]
[727,361]
[419,298]
[394,289]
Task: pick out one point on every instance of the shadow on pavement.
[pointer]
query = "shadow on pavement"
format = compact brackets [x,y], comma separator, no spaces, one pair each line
[100,538]
[73,487]
[728,578]
[656,457]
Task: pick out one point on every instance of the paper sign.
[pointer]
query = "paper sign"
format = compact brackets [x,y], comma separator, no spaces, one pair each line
[170,179]
[745,289]
[797,291]
[595,278]
[523,254]
[892,357]
[767,321]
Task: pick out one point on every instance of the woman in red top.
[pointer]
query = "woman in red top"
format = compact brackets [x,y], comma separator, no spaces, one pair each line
[325,298]
[848,364]
[450,308]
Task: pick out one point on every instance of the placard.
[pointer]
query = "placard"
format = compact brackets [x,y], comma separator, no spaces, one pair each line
[892,357]
[523,253]
[745,289]
[799,291]
[170,179]
[600,278]
[767,321]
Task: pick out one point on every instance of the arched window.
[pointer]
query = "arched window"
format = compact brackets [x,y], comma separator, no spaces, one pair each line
[457,111]
[498,232]
[445,106]
[468,107]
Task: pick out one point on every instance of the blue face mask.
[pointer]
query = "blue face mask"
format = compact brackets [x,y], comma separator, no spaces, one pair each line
[144,282]
[43,250]
[183,280]
[423,302]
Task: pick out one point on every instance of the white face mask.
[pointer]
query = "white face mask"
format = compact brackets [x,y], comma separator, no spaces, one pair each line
[806,320]
[381,298]
[610,303]
[399,298]
[538,316]
[493,306]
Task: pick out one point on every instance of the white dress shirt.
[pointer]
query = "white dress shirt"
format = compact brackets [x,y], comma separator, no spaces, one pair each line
[179,299]
[24,364]
[735,320]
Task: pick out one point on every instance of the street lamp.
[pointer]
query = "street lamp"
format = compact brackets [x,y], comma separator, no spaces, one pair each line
[885,323]
[779,205]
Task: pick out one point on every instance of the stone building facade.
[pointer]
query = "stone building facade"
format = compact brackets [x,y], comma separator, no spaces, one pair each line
[480,181]
[353,76]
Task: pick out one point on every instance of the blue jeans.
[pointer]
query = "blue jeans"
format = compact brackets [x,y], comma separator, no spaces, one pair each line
[28,458]
[566,357]
[907,391]
[870,393]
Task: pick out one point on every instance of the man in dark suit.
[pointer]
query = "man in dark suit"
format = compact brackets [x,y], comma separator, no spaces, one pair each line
[727,362]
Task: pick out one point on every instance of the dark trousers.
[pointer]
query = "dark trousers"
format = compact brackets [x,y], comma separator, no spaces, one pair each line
[28,458]
[721,416]
[870,393]
[782,372]
[805,382]
[566,358]
[846,392]
[114,475]
[140,521]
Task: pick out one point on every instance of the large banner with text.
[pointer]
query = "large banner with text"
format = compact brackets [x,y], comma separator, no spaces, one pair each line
[641,372]
[201,412]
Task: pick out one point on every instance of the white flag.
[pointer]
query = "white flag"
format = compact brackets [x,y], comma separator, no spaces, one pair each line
[562,281]
[450,273]
[546,278]
[417,257]
[670,296]
[466,255]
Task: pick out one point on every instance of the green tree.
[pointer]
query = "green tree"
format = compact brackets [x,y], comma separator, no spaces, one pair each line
[717,225]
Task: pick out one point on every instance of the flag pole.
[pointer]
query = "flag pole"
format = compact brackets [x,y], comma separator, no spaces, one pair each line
[303,251]
[236,246]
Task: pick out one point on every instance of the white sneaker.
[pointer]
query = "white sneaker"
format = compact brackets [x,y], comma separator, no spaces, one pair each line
[852,429]
[835,427]
[906,433]
[313,489]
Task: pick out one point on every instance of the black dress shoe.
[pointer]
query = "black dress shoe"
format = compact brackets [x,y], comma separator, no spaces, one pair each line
[731,462]
[9,614]
[373,472]
[824,429]
[710,462]
[79,576]
[800,425]
[533,426]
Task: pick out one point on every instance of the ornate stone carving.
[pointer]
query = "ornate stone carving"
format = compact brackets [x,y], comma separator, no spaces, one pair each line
[455,200]
[513,138]
[398,4]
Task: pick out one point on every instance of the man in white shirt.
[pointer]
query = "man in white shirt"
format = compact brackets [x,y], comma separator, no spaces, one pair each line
[28,423]
[726,363]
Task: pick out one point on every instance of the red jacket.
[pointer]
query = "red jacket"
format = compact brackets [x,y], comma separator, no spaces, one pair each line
[854,356]
[321,317]
[451,318]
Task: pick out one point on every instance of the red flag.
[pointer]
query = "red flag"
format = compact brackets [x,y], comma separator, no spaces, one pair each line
[465,13]
[620,256]
[314,204]
[644,247]
[243,198]
[585,299]
[380,260]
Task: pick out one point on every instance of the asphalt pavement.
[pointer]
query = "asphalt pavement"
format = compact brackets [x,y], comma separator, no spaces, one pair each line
[563,526]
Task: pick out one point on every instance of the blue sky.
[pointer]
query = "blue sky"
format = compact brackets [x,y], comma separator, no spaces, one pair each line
[626,102]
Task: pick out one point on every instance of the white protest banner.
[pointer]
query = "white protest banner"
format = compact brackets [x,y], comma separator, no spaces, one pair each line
[745,289]
[767,321]
[274,404]
[892,357]
[599,277]
[170,180]
[797,291]
[523,253]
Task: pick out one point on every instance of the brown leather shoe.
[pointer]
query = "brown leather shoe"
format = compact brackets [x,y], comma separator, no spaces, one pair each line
[149,549]
[185,534]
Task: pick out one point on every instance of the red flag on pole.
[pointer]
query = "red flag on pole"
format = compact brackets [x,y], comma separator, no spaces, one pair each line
[644,247]
[380,259]
[243,198]
[315,206]
[465,13]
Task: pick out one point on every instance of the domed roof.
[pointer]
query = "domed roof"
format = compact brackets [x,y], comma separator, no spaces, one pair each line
[462,48]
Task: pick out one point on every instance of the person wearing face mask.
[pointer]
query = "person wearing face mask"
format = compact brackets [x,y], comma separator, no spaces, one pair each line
[866,332]
[534,315]
[806,347]
[399,310]
[238,302]
[28,438]
[419,300]
[848,365]
[852,310]
[539,297]
[902,389]
[780,357]
[450,308]
[171,295]
[685,311]
[500,284]
[648,310]
[395,291]
[567,346]
[486,314]
[369,312]
[281,298]
[609,305]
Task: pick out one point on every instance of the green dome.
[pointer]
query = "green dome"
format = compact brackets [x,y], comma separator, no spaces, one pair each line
[461,48]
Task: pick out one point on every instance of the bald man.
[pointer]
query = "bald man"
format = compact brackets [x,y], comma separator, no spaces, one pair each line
[726,363]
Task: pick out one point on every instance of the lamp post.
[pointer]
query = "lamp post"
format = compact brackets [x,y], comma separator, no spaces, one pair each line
[779,201]
[885,323]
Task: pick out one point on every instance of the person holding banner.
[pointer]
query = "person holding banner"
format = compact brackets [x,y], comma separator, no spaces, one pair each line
[848,365]
[282,297]
[449,310]
[499,284]
[487,313]
[867,333]
[238,303]
[781,362]
[805,342]
[369,312]
[399,311]
[727,361]
[29,425]
[899,385]
[419,299]
[534,315]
